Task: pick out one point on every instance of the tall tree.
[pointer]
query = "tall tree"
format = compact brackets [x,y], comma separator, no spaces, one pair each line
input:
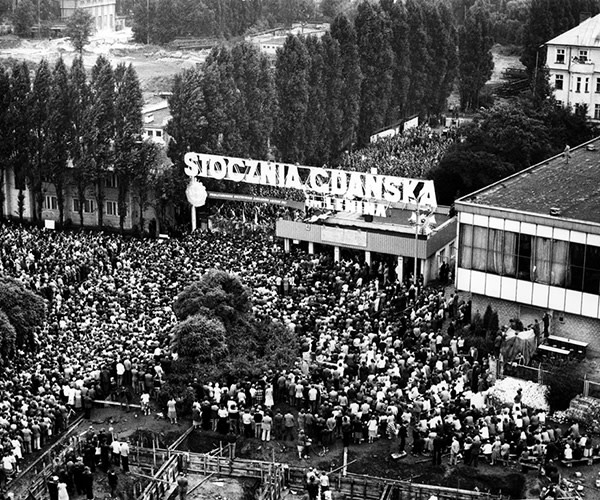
[19,110]
[376,62]
[80,99]
[334,98]
[60,134]
[99,133]
[128,130]
[5,131]
[79,28]
[254,81]
[443,58]
[145,169]
[343,31]
[24,17]
[222,103]
[188,122]
[539,29]
[40,98]
[291,81]
[420,60]
[314,126]
[400,46]
[475,55]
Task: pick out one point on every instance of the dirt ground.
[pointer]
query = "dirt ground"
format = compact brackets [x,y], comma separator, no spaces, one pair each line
[155,66]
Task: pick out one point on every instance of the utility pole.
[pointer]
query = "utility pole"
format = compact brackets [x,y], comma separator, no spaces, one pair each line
[147,22]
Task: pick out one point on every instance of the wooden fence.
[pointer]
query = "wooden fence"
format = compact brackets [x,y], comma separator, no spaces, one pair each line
[273,478]
[164,483]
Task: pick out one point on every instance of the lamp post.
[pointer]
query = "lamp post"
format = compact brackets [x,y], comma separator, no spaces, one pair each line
[147,22]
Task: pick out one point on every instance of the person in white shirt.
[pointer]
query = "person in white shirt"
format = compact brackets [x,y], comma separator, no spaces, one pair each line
[115,447]
[124,453]
[145,403]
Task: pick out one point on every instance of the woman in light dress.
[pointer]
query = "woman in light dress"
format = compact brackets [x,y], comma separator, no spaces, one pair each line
[63,494]
[269,396]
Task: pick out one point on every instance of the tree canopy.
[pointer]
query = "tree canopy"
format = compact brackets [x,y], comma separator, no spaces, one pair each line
[219,335]
[506,139]
[79,28]
[22,312]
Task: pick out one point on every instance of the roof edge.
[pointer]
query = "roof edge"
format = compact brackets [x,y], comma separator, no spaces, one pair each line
[464,199]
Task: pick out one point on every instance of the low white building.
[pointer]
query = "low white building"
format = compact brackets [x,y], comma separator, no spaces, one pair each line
[530,244]
[154,122]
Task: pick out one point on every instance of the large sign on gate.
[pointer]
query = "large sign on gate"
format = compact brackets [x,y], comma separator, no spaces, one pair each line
[338,190]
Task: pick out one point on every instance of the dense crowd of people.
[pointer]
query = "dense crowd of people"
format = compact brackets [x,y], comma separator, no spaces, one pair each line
[414,153]
[381,358]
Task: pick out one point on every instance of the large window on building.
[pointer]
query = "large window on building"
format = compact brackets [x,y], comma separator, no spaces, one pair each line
[558,82]
[542,260]
[502,252]
[576,264]
[89,206]
[466,246]
[480,237]
[524,257]
[530,258]
[558,269]
[50,203]
[591,279]
[560,56]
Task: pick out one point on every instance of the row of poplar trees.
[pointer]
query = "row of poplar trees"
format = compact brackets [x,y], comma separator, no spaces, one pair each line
[61,128]
[328,94]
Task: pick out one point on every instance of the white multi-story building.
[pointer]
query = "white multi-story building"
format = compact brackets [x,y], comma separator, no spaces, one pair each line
[573,62]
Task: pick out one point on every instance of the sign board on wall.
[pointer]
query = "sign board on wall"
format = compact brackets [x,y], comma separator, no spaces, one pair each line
[341,236]
[339,190]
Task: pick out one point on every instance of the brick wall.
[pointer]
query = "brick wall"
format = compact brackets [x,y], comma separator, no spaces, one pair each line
[579,328]
[561,324]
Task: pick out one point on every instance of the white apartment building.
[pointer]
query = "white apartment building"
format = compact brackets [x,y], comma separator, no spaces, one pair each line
[573,62]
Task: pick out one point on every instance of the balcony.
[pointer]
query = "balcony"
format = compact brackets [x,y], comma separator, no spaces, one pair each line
[582,65]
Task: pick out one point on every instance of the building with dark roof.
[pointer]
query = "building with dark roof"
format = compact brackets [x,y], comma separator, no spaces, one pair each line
[530,244]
